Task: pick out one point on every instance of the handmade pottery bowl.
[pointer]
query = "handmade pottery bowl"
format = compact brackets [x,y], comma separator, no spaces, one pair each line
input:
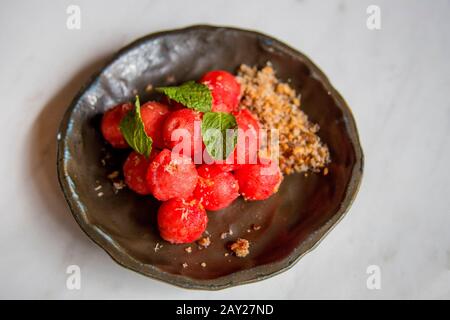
[292,221]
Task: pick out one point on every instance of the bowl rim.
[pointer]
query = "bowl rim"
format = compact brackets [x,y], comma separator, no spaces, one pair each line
[253,274]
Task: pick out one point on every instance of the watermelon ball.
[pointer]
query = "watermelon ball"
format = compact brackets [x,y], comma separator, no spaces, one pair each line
[247,145]
[153,115]
[246,150]
[215,189]
[187,122]
[181,221]
[171,175]
[110,125]
[224,88]
[135,170]
[259,181]
[227,165]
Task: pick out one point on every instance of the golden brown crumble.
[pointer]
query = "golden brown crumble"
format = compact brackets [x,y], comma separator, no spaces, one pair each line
[113,175]
[240,247]
[204,242]
[277,106]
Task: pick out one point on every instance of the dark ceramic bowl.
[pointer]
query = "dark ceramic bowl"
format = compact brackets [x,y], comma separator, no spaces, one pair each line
[292,221]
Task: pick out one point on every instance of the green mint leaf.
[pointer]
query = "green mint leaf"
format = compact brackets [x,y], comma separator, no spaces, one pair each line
[133,131]
[191,94]
[219,133]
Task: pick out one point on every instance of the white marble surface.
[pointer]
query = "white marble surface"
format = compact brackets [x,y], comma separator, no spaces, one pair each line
[396,79]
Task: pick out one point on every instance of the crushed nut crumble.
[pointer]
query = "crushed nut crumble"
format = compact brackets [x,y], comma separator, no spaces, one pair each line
[240,247]
[204,242]
[277,106]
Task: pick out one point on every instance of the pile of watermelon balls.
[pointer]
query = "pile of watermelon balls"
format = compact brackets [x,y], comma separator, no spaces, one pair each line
[187,190]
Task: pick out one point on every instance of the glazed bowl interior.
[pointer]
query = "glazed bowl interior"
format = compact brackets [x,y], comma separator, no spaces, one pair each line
[292,221]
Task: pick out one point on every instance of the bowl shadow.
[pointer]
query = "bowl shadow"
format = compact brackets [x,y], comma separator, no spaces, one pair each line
[43,151]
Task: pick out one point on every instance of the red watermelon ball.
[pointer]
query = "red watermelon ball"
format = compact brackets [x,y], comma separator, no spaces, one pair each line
[216,189]
[171,175]
[225,90]
[258,181]
[135,171]
[153,115]
[110,125]
[181,221]
[183,124]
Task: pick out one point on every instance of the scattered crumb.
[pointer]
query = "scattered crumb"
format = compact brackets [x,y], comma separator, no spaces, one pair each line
[256,227]
[98,187]
[277,106]
[226,254]
[113,175]
[185,265]
[204,242]
[158,247]
[188,249]
[118,185]
[149,87]
[240,247]
[325,171]
[203,264]
[103,162]
[224,235]
[100,194]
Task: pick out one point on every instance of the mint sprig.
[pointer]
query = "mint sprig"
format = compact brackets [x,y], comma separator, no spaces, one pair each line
[191,94]
[219,133]
[132,128]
